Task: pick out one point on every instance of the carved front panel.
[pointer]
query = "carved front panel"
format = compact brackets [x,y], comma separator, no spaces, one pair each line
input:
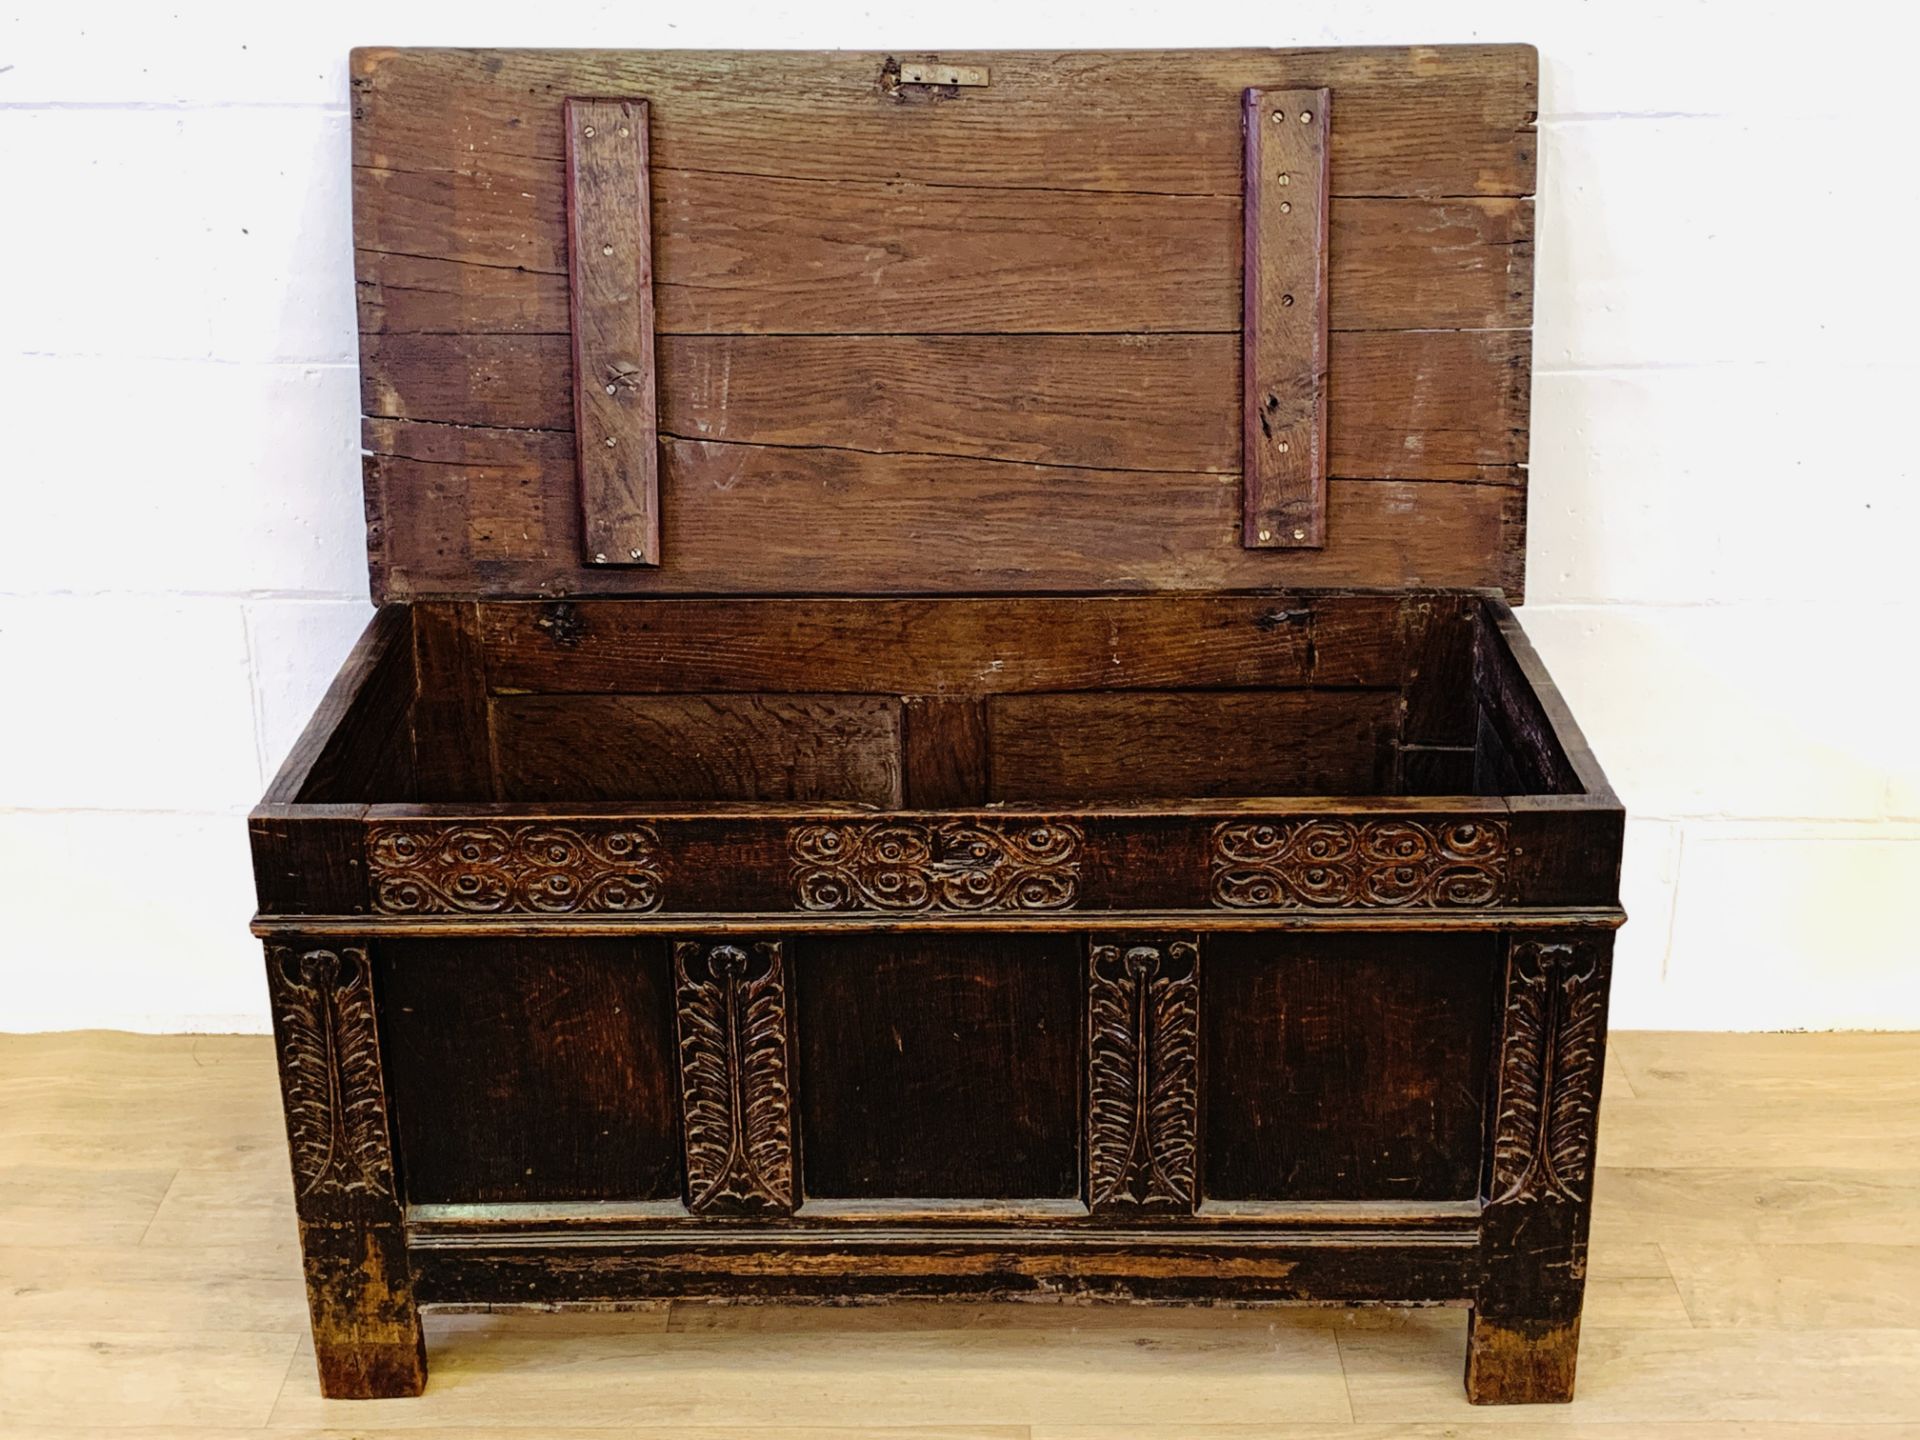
[906,865]
[1550,1063]
[1143,1048]
[731,1010]
[1359,864]
[330,1072]
[481,869]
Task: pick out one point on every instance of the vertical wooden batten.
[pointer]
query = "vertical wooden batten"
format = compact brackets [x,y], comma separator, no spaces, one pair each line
[610,273]
[1284,329]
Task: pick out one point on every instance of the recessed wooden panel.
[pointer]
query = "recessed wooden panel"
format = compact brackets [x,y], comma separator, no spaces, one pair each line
[1346,1067]
[531,1069]
[699,747]
[939,1066]
[1142,745]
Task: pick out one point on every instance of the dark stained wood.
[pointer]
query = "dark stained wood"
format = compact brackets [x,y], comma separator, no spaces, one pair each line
[1437,639]
[943,753]
[699,747]
[492,511]
[1283,345]
[309,859]
[348,748]
[931,647]
[452,743]
[1143,1074]
[347,1188]
[1402,405]
[930,1070]
[1525,1329]
[1134,745]
[731,1015]
[567,1093]
[610,284]
[765,859]
[1346,1067]
[551,1266]
[1511,709]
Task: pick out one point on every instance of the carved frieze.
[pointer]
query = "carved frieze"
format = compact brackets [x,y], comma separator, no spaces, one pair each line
[481,869]
[330,1071]
[1550,1062]
[1143,1015]
[906,865]
[731,1010]
[1359,864]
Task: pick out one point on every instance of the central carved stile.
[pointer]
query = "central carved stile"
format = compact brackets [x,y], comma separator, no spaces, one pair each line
[1143,1013]
[731,1006]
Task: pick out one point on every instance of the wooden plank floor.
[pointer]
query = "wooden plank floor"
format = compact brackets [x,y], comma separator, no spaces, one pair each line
[1756,1274]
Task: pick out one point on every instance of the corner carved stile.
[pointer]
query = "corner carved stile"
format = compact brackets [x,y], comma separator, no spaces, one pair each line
[1551,1059]
[731,1009]
[1143,1017]
[330,1072]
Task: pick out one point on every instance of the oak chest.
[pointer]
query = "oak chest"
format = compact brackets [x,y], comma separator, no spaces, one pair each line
[944,718]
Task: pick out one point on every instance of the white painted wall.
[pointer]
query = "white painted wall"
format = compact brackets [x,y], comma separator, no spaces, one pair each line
[1724,495]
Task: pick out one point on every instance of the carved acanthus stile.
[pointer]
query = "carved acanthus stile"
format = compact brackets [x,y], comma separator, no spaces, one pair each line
[1143,1050]
[330,1071]
[1551,1058]
[731,1008]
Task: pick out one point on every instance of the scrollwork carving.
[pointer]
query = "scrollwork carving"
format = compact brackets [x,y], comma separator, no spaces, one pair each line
[731,1007]
[481,869]
[330,1071]
[1550,1063]
[1143,1016]
[1359,864]
[906,865]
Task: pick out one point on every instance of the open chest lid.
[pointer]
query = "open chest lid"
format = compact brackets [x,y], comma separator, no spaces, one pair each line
[841,323]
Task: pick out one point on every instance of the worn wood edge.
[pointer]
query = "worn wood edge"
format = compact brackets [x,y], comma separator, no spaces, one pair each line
[1135,1264]
[1509,72]
[700,1235]
[858,1217]
[389,628]
[802,922]
[1510,637]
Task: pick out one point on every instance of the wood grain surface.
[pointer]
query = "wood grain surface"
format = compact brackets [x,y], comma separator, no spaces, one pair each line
[905,336]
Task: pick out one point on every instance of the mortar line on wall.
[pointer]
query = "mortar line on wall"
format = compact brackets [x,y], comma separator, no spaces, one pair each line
[1673,899]
[295,362]
[176,107]
[253,691]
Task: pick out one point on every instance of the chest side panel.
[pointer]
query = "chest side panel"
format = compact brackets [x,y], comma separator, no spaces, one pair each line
[917,337]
